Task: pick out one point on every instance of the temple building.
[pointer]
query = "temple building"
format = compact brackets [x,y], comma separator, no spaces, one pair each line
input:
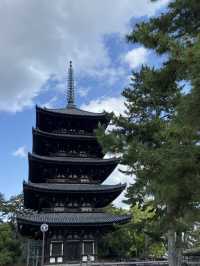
[64,188]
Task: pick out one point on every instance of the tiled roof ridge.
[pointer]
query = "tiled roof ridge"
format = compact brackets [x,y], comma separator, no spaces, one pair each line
[87,218]
[70,111]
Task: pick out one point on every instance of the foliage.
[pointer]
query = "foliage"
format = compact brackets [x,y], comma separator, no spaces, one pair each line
[9,246]
[10,208]
[158,137]
[135,239]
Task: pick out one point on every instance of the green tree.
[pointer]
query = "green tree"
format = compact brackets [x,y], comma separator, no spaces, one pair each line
[158,136]
[10,250]
[13,206]
[2,207]
[136,239]
[147,234]
[10,208]
[10,243]
[115,244]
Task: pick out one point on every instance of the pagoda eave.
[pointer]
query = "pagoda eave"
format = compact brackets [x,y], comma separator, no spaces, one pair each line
[73,160]
[73,188]
[73,113]
[29,225]
[73,219]
[46,134]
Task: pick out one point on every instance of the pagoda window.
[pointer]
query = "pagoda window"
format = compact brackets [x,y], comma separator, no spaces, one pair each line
[88,247]
[56,251]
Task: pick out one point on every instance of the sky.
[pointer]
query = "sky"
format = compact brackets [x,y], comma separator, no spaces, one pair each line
[37,41]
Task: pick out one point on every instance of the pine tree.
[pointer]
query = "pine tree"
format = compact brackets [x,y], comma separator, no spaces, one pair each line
[158,137]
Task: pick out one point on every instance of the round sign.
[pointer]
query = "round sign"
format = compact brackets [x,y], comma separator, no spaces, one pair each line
[44,227]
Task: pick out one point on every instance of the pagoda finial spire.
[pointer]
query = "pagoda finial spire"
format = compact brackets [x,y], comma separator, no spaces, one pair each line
[70,89]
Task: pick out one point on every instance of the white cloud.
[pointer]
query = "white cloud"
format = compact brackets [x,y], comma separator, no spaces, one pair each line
[20,152]
[83,91]
[137,57]
[109,104]
[118,177]
[108,74]
[37,37]
[50,103]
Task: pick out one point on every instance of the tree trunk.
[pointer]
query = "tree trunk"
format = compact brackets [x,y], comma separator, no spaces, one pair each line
[174,248]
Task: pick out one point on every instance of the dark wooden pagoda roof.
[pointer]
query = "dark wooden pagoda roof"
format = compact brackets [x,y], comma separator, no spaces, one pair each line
[46,134]
[72,112]
[74,160]
[74,188]
[73,219]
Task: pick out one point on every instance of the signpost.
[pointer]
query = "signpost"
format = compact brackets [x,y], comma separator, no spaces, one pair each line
[43,228]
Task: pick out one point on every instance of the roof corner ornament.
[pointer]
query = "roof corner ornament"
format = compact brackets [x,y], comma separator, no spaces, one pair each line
[70,87]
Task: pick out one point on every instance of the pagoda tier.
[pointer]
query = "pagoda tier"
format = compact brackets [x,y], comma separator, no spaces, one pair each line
[75,233]
[69,169]
[69,121]
[52,144]
[69,197]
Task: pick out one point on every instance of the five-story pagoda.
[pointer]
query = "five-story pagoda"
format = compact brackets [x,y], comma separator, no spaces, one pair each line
[64,190]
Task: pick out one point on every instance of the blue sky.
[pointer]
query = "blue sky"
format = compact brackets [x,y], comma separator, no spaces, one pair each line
[38,38]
